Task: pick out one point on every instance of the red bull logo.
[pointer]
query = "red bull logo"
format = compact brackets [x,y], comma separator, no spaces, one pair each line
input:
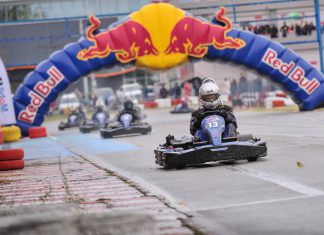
[143,38]
[128,41]
[294,73]
[43,89]
[193,36]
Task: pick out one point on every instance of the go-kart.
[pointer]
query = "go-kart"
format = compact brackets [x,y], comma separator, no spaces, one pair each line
[98,121]
[182,108]
[73,120]
[211,146]
[125,127]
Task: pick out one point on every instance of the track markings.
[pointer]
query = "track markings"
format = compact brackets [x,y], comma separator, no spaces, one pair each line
[279,180]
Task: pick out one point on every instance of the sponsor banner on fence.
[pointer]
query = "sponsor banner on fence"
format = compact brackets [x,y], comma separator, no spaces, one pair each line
[7,113]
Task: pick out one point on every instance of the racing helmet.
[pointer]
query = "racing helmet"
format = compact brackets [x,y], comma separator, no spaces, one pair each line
[209,94]
[80,109]
[128,105]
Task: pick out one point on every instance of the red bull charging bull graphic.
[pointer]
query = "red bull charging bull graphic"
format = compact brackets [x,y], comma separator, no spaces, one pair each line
[141,39]
[184,40]
[128,41]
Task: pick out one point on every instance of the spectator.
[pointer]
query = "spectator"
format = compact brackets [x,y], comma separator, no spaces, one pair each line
[233,88]
[298,29]
[311,28]
[176,91]
[187,91]
[243,85]
[94,100]
[196,85]
[284,29]
[163,92]
[273,31]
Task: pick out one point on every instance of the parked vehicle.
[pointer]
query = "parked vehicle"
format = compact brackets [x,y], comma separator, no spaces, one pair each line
[68,102]
[131,91]
[107,97]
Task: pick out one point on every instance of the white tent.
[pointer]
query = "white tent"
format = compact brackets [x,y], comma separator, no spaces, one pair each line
[7,113]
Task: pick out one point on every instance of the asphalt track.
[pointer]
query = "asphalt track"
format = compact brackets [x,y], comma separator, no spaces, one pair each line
[282,193]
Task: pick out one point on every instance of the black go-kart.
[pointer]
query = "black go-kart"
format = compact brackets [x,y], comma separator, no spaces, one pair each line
[98,121]
[177,153]
[73,120]
[181,108]
[125,127]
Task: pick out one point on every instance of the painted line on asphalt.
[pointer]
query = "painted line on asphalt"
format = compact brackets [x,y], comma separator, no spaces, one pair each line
[279,180]
[296,135]
[256,203]
[292,145]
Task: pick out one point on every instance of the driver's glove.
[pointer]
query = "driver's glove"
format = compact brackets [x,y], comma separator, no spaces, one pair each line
[224,114]
[200,115]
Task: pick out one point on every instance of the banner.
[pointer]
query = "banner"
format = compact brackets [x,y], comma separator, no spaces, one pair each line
[7,113]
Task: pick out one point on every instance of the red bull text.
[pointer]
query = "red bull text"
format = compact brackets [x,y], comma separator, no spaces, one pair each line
[40,91]
[294,73]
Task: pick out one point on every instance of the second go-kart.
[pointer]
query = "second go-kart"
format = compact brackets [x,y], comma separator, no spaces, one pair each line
[212,146]
[182,108]
[98,121]
[125,127]
[73,120]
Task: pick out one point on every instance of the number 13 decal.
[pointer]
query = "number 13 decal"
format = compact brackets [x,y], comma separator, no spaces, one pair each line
[212,124]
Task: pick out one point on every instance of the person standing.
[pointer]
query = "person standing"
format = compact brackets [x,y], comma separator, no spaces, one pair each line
[163,92]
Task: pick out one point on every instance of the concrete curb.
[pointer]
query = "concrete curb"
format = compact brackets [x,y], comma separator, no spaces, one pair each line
[64,219]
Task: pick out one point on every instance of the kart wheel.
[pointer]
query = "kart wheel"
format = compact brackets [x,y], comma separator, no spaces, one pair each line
[252,159]
[173,166]
[245,137]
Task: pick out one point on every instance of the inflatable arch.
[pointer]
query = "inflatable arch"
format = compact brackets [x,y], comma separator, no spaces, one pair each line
[161,36]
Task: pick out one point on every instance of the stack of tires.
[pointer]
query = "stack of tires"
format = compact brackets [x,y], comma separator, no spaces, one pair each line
[37,132]
[11,159]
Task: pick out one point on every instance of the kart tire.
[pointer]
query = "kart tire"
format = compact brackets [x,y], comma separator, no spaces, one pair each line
[61,127]
[84,130]
[11,154]
[37,132]
[11,133]
[173,166]
[12,165]
[246,137]
[105,135]
[252,159]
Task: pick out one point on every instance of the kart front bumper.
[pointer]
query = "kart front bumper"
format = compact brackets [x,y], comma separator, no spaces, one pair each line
[208,153]
[111,132]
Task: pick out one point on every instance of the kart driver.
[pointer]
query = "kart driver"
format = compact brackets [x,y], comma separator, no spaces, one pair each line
[78,112]
[99,108]
[129,108]
[212,104]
